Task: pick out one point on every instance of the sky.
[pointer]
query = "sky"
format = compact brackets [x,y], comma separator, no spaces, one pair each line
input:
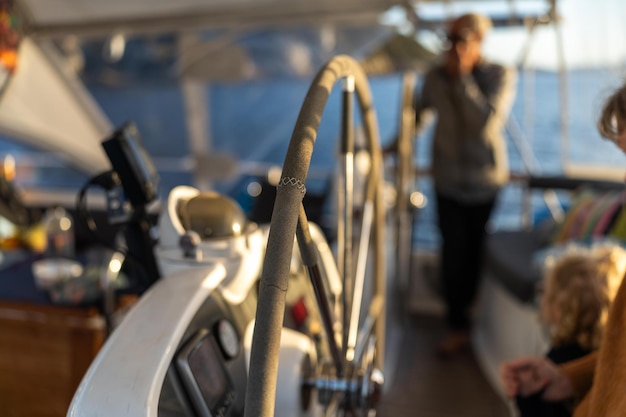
[593,32]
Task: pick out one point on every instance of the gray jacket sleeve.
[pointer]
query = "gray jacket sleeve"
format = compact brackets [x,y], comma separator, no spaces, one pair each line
[490,105]
[424,102]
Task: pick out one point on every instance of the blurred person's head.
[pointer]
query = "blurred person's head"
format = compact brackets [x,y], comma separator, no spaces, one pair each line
[465,36]
[578,290]
[612,121]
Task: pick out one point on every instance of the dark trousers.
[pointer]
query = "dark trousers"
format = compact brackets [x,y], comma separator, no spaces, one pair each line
[462,228]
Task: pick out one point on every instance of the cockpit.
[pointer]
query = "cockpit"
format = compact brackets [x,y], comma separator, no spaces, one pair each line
[184,349]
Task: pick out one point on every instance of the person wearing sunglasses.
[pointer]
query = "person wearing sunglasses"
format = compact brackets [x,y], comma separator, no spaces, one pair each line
[472,98]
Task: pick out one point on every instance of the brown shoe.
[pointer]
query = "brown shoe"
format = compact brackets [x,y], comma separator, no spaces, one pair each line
[454,343]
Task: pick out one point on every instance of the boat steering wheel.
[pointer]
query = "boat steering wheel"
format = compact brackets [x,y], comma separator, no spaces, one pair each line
[350,379]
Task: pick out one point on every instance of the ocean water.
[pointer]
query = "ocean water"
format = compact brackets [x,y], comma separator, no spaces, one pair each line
[253,121]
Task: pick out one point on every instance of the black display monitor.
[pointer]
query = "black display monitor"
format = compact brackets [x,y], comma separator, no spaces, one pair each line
[134,167]
[201,367]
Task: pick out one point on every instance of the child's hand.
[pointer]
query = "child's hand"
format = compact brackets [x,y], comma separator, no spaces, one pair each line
[528,375]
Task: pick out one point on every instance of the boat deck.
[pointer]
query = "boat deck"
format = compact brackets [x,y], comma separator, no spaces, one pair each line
[428,386]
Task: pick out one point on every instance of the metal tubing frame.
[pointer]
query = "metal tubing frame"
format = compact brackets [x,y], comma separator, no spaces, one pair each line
[346,205]
[310,260]
[405,180]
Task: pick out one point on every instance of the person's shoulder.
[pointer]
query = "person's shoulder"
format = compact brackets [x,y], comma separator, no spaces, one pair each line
[496,69]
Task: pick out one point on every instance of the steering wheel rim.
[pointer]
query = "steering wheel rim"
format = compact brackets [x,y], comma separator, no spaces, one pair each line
[288,213]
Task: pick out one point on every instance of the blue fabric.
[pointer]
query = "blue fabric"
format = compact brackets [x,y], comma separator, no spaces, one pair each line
[17,282]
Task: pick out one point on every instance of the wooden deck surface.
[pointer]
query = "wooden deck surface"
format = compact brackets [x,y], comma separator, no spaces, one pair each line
[428,386]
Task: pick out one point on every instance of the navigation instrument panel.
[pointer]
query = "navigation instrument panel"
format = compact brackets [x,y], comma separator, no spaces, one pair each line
[133,165]
[201,367]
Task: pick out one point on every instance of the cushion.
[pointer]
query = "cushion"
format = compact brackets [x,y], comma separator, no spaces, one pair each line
[591,214]
[509,258]
[608,218]
[516,258]
[595,213]
[618,229]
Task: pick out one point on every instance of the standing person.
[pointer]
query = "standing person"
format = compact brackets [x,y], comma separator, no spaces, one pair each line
[472,98]
[596,381]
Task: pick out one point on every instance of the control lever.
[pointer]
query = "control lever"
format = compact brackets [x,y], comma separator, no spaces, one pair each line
[189,244]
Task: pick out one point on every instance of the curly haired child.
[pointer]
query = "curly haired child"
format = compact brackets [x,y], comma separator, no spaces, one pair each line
[578,290]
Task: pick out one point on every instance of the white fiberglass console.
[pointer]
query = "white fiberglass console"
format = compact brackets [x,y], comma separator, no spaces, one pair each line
[183,349]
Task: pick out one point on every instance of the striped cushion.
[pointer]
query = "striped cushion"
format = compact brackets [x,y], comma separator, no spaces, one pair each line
[609,217]
[591,214]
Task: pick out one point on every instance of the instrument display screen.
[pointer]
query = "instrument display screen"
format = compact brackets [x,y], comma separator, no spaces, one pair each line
[204,375]
[133,165]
